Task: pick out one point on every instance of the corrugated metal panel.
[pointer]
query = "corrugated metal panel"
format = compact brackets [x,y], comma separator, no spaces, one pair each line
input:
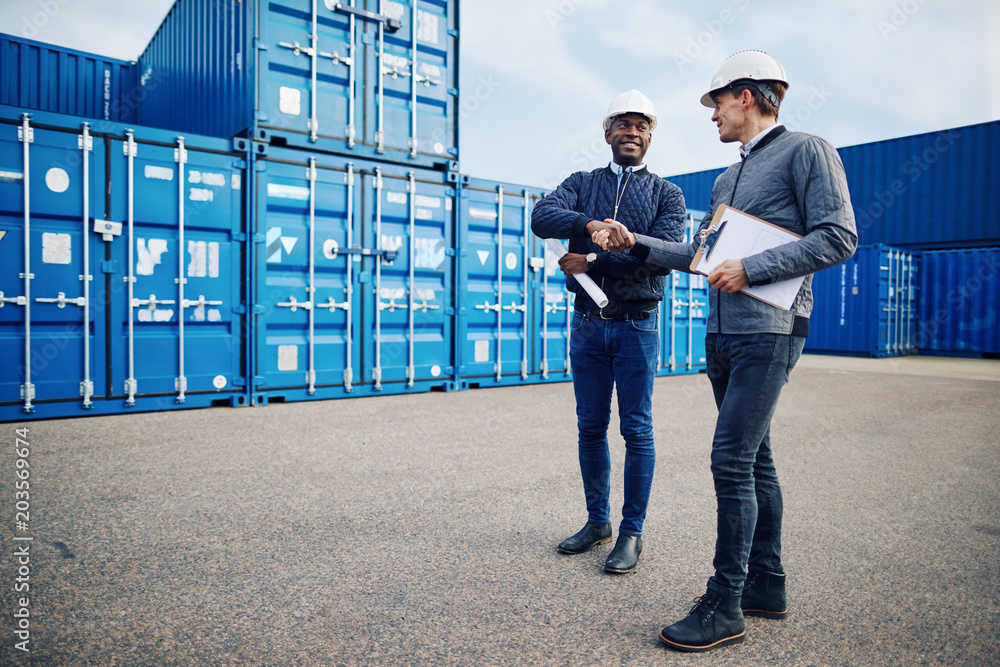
[684,316]
[866,306]
[353,278]
[41,76]
[321,76]
[935,190]
[960,302]
[134,264]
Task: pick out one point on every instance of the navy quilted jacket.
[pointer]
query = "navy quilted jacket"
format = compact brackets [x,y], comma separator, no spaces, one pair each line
[649,205]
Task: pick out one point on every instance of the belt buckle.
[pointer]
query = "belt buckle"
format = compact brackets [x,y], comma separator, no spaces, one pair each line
[601,313]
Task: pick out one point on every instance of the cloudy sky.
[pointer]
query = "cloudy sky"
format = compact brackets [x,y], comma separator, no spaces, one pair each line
[537,75]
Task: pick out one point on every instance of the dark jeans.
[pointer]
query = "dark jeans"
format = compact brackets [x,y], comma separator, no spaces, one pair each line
[606,354]
[747,373]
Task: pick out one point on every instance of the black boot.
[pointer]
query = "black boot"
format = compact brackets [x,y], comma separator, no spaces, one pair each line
[625,556]
[764,595]
[586,539]
[714,621]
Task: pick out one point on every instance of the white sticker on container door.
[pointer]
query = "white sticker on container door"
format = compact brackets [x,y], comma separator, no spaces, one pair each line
[395,197]
[148,255]
[432,74]
[160,173]
[290,101]
[155,314]
[510,261]
[56,248]
[394,10]
[11,176]
[429,254]
[57,179]
[204,259]
[427,27]
[428,202]
[206,178]
[287,191]
[482,214]
[202,194]
[484,256]
[275,243]
[288,358]
[482,350]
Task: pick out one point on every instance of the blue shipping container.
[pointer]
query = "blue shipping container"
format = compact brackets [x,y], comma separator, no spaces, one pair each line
[935,190]
[960,302]
[121,269]
[684,316]
[44,77]
[378,83]
[353,278]
[866,306]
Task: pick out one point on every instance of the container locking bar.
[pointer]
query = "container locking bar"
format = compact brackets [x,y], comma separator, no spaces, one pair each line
[391,24]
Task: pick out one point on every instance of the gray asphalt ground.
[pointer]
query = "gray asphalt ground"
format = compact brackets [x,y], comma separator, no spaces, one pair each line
[421,530]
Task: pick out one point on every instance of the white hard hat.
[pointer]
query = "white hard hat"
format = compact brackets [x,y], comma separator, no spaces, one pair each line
[753,65]
[631,102]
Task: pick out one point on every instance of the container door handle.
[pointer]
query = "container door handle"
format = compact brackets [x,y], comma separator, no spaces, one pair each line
[391,24]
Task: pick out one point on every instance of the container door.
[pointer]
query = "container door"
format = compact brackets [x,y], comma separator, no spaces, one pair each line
[178,287]
[408,299]
[306,278]
[49,302]
[311,69]
[553,312]
[495,284]
[410,86]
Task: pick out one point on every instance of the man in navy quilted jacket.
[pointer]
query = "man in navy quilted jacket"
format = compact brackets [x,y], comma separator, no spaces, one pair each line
[617,345]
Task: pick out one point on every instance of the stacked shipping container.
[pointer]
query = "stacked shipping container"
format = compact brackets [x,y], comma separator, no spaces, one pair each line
[295,230]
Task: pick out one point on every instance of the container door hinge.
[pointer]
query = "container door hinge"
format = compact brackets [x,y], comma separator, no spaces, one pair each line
[258,238]
[453,33]
[453,92]
[258,44]
[239,382]
[259,309]
[240,310]
[239,163]
[239,236]
[108,266]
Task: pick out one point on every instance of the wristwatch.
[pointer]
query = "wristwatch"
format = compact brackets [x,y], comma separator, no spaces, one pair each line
[591,258]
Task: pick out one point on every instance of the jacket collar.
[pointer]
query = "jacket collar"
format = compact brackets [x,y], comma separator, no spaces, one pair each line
[768,138]
[638,172]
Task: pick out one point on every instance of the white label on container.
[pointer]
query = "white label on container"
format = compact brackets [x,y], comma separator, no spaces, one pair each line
[214,315]
[204,259]
[425,214]
[432,72]
[207,178]
[484,255]
[427,27]
[428,202]
[482,214]
[394,62]
[148,255]
[155,315]
[219,381]
[290,100]
[287,191]
[395,197]
[510,261]
[447,204]
[425,294]
[57,179]
[161,173]
[56,248]
[11,176]
[428,254]
[482,350]
[435,370]
[236,181]
[288,358]
[438,148]
[201,194]
[394,10]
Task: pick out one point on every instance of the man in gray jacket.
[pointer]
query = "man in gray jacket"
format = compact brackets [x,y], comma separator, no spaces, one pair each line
[796,181]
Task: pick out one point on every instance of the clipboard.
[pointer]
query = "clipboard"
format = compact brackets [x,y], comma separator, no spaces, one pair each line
[744,236]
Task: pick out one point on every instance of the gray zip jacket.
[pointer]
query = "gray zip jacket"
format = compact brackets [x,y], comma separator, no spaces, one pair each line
[790,179]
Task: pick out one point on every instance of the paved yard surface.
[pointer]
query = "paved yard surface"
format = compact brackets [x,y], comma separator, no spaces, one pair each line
[421,530]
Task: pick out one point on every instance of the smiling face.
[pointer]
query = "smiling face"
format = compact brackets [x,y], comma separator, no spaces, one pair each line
[629,137]
[730,115]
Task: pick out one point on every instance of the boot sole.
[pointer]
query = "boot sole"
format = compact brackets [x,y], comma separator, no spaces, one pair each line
[573,553]
[763,613]
[735,639]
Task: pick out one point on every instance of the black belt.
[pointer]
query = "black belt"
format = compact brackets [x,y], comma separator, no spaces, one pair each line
[621,317]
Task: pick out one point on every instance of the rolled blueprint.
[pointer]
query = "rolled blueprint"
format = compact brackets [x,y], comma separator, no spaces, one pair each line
[585,281]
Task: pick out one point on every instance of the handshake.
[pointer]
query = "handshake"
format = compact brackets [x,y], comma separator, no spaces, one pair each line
[611,235]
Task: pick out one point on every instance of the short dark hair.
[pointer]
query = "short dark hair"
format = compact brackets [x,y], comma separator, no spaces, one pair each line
[764,105]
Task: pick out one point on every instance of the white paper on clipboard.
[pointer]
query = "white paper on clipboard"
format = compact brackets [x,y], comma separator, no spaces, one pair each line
[743,236]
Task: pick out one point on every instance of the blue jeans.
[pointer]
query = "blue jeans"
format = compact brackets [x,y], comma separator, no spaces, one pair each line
[606,354]
[747,373]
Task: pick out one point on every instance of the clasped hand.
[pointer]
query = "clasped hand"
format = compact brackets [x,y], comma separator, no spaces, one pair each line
[611,235]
